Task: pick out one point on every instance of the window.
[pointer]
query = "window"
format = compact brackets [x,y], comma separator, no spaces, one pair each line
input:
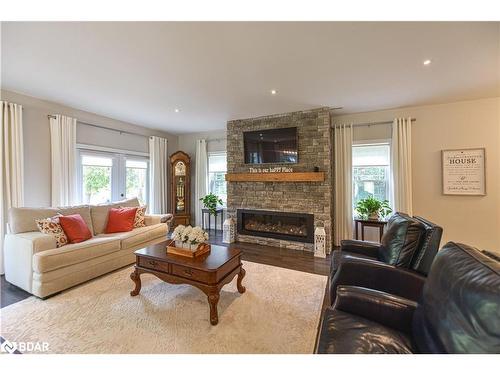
[136,179]
[370,171]
[217,167]
[96,178]
[107,176]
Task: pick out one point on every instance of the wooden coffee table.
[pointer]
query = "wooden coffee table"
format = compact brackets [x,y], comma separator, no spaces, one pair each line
[208,272]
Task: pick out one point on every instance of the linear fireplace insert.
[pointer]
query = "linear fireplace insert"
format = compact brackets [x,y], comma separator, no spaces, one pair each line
[290,226]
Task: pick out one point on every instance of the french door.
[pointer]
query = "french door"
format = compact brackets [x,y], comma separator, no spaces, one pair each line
[105,177]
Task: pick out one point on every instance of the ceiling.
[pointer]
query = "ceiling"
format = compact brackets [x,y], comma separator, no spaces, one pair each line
[140,72]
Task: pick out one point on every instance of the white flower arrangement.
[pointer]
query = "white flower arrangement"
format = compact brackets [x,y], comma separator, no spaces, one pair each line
[189,234]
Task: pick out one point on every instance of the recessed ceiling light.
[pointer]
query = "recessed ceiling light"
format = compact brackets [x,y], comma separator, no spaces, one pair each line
[427,62]
[177,110]
[274,92]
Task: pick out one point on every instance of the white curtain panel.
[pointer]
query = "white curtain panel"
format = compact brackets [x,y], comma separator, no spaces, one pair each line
[12,168]
[201,178]
[343,183]
[158,161]
[63,156]
[401,166]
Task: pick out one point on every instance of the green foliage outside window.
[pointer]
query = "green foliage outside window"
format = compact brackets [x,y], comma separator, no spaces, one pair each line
[95,179]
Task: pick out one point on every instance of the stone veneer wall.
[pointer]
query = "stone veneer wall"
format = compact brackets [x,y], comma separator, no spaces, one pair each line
[314,149]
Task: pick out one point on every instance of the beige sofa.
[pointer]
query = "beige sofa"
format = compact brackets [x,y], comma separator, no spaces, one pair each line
[33,263]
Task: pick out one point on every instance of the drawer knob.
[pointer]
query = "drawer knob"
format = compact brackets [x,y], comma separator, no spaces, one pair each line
[188,272]
[153,263]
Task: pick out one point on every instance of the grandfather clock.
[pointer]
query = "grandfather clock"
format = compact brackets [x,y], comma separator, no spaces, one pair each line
[180,191]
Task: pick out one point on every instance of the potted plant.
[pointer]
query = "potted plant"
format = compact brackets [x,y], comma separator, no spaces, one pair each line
[210,201]
[189,237]
[373,209]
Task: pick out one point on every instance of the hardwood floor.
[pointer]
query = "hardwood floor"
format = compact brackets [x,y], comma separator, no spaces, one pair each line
[275,256]
[10,294]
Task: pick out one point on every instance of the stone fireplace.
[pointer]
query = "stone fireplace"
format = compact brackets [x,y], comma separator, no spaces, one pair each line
[290,226]
[287,201]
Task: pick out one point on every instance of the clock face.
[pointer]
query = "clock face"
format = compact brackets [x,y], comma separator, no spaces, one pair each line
[180,169]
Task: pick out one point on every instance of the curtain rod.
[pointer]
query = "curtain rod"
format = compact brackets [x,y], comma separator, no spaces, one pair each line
[215,139]
[107,128]
[378,123]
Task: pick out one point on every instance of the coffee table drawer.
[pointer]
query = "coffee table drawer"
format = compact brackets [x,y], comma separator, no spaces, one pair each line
[190,273]
[153,264]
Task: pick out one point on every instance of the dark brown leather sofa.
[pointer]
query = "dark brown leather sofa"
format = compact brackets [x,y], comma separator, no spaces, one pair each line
[458,311]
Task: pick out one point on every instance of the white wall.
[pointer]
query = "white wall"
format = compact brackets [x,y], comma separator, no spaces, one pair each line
[467,219]
[37,178]
[216,141]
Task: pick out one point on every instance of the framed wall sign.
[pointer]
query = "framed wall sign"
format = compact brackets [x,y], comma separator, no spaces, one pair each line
[464,171]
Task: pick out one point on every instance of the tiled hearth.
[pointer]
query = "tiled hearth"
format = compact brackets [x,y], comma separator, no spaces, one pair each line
[303,197]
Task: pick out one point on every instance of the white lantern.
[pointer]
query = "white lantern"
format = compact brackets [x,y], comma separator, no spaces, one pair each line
[320,242]
[229,230]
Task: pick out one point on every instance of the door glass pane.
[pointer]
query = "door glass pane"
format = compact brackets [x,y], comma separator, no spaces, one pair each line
[136,179]
[96,176]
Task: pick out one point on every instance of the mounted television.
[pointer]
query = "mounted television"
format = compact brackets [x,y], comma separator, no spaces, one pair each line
[270,146]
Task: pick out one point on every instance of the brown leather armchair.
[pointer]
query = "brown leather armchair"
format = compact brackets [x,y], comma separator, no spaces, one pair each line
[408,243]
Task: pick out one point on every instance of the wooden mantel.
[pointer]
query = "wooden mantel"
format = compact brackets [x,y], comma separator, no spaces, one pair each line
[276,177]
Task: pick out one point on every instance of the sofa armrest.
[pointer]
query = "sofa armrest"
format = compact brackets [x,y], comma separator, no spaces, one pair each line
[379,276]
[384,308]
[18,253]
[368,248]
[152,219]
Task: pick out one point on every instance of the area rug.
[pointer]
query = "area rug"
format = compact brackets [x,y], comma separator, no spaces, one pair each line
[278,313]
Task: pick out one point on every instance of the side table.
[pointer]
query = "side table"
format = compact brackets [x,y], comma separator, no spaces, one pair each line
[219,212]
[380,224]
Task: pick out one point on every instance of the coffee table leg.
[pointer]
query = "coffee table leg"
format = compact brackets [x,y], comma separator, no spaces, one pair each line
[136,278]
[241,275]
[213,299]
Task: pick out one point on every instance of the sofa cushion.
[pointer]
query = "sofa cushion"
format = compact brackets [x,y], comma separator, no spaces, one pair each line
[99,213]
[49,260]
[344,333]
[401,240]
[139,235]
[22,219]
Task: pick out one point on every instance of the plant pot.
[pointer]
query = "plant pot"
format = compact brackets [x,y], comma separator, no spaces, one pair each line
[373,216]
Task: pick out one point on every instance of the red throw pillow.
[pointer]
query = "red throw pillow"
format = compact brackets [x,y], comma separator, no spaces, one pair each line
[75,228]
[121,219]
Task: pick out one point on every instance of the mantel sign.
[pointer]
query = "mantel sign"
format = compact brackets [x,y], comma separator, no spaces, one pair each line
[271,170]
[464,172]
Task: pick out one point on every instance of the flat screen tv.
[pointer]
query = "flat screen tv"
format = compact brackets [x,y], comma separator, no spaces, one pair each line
[270,146]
